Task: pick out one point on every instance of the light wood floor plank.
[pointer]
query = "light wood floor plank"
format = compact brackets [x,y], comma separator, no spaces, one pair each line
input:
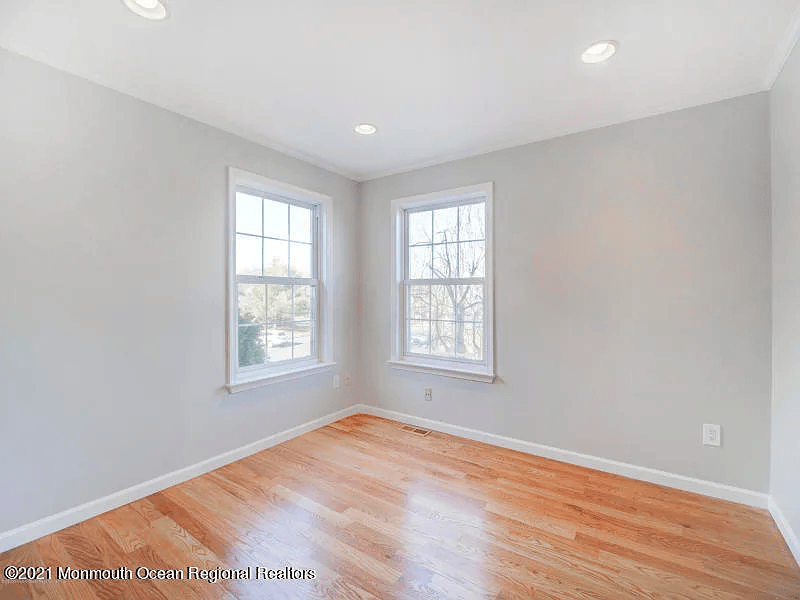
[381,513]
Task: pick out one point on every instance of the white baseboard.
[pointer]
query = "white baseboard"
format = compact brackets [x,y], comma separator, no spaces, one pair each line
[26,533]
[673,480]
[786,529]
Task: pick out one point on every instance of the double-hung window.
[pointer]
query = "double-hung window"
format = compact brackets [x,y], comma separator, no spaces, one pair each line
[277,251]
[442,286]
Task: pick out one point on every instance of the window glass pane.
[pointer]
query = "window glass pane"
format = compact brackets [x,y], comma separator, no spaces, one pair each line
[252,303]
[445,224]
[419,262]
[300,220]
[442,320]
[248,255]
[302,339]
[469,303]
[300,260]
[472,221]
[251,345]
[442,298]
[442,338]
[248,214]
[418,337]
[469,340]
[472,259]
[279,303]
[420,227]
[445,261]
[418,302]
[276,219]
[303,302]
[276,258]
[279,341]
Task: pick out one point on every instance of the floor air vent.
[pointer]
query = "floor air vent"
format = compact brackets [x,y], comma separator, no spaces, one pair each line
[416,430]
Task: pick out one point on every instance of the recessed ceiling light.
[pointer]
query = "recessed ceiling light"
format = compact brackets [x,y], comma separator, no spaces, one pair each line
[599,52]
[365,129]
[155,10]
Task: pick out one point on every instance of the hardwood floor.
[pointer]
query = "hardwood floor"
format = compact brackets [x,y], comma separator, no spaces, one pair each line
[378,512]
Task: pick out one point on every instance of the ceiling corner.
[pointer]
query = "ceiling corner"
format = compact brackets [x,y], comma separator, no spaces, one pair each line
[784,49]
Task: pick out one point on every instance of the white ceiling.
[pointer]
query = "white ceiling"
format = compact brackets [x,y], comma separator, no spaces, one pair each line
[440,78]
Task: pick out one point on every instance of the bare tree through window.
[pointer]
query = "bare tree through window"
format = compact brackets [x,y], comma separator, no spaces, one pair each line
[446,267]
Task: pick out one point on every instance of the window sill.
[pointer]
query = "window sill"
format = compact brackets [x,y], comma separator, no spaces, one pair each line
[406,365]
[278,377]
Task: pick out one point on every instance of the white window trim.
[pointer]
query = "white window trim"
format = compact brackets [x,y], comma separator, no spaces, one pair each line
[236,380]
[485,371]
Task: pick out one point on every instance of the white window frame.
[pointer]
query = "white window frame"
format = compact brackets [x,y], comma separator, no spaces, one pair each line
[239,379]
[449,367]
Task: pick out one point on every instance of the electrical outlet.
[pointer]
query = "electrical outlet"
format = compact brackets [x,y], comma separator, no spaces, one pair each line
[428,394]
[347,379]
[336,382]
[712,435]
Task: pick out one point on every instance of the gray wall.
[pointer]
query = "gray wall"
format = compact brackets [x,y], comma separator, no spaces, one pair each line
[632,293]
[632,290]
[785,478]
[112,311]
